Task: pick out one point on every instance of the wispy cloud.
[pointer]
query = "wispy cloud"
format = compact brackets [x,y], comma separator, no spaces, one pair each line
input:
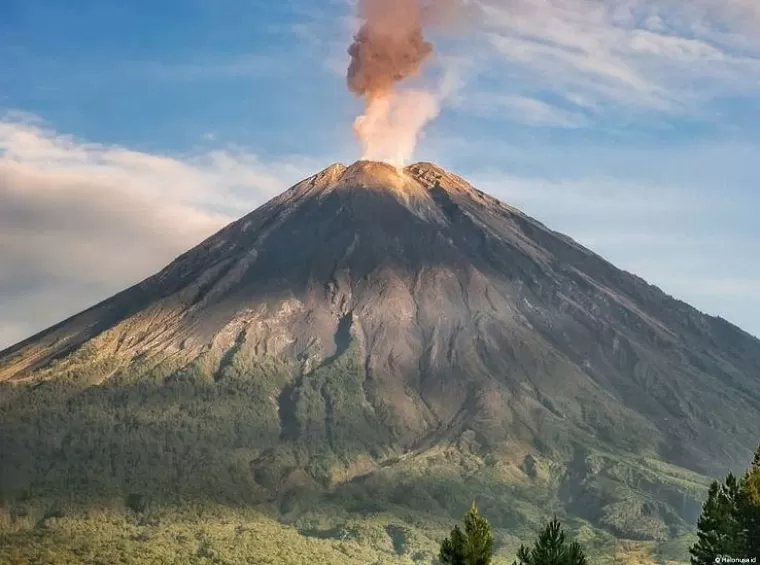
[517,108]
[632,54]
[83,220]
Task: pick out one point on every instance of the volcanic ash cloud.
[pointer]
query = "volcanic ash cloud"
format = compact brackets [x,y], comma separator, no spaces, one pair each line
[390,47]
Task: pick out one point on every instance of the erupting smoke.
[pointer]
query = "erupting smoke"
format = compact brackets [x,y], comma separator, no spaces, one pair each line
[390,47]
[390,127]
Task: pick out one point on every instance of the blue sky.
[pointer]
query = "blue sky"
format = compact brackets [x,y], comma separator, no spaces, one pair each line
[131,130]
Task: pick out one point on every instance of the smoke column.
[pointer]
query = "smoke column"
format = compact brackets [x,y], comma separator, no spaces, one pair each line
[390,47]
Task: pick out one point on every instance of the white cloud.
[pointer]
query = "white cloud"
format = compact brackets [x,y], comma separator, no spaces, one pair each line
[518,108]
[80,221]
[640,54]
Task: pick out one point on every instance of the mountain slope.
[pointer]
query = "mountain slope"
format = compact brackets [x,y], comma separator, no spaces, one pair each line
[400,332]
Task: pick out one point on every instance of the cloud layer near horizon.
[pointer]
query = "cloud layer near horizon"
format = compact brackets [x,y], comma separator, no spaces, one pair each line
[81,221]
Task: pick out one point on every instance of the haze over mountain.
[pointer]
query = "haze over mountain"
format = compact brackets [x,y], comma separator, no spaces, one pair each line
[394,335]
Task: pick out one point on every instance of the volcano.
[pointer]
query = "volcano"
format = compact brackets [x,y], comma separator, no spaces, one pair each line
[394,335]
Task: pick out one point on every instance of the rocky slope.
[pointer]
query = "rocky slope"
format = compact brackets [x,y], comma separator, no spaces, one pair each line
[390,326]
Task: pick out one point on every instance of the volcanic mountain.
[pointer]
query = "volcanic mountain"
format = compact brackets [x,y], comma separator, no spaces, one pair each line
[389,339]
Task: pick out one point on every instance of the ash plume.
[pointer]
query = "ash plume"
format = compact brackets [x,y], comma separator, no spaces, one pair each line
[389,47]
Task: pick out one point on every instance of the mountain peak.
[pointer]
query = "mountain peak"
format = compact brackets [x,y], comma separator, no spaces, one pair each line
[408,185]
[375,174]
[380,175]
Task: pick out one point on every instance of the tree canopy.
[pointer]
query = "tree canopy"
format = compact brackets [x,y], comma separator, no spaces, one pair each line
[730,521]
[473,546]
[550,549]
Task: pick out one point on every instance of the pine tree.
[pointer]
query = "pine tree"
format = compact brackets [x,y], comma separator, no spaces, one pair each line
[720,529]
[749,508]
[474,546]
[550,549]
[453,548]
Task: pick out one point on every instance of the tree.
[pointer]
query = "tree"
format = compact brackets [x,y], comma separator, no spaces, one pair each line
[474,546]
[749,507]
[720,530]
[550,549]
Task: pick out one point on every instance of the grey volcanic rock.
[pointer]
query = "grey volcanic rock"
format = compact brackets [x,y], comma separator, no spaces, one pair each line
[470,322]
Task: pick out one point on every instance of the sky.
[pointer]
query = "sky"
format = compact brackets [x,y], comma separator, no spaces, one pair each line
[132,130]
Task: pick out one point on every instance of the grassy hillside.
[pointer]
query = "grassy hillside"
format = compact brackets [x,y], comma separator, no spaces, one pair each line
[212,534]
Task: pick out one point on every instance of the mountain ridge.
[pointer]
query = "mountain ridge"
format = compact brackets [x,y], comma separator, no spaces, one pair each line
[424,169]
[331,172]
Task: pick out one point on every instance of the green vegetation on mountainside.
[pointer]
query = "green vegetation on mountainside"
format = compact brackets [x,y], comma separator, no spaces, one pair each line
[237,459]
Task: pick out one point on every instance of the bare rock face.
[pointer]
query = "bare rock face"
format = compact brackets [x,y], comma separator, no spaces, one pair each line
[396,311]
